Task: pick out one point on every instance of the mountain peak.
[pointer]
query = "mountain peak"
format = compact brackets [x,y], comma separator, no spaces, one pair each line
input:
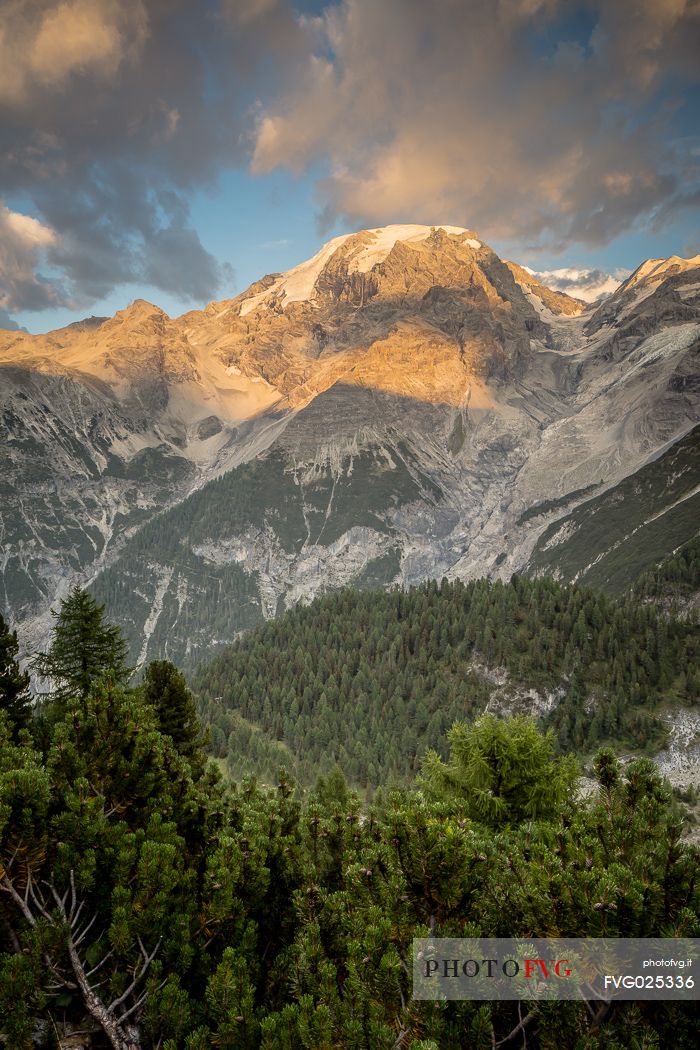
[655,269]
[140,309]
[555,299]
[361,251]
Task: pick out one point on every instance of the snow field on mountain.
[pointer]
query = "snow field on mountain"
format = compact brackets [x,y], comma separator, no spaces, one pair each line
[297,284]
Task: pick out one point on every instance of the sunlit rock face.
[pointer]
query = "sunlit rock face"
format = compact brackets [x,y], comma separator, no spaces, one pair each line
[401,406]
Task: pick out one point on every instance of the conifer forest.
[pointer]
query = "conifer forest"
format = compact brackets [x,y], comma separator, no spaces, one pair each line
[243,862]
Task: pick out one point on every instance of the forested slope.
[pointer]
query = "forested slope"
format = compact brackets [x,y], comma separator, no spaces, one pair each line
[611,539]
[370,679]
[675,582]
[147,904]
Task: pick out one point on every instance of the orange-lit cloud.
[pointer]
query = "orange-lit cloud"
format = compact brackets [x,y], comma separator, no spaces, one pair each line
[22,240]
[459,109]
[46,47]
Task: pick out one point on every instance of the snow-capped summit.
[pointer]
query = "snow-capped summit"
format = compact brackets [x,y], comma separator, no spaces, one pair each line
[657,269]
[361,252]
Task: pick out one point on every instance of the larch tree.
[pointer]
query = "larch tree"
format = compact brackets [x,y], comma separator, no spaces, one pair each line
[84,649]
[505,770]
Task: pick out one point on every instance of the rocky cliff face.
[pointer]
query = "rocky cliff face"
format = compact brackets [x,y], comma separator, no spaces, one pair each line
[403,405]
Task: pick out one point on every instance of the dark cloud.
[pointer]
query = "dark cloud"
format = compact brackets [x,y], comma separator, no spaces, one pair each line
[8,323]
[111,112]
[514,117]
[163,263]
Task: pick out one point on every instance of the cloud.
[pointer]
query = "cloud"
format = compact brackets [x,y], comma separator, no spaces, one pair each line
[44,45]
[23,245]
[112,113]
[507,116]
[163,263]
[541,121]
[586,284]
[243,12]
[8,324]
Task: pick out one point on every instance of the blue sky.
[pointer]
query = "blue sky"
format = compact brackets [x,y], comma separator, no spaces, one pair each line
[182,154]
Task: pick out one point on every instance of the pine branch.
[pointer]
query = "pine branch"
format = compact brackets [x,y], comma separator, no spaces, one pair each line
[112,1020]
[147,960]
[518,1028]
[6,885]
